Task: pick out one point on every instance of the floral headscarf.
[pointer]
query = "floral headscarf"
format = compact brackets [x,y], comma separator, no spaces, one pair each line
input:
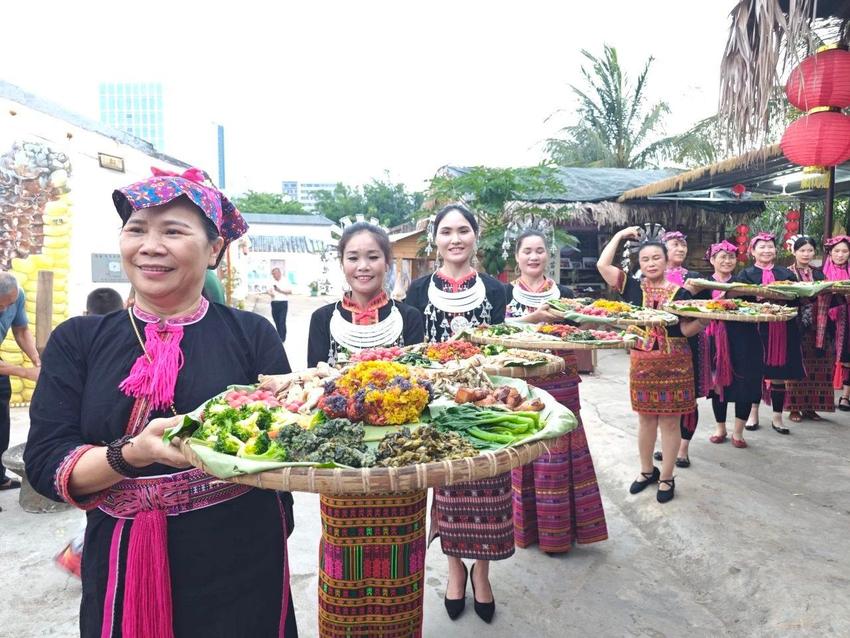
[673,234]
[165,186]
[723,246]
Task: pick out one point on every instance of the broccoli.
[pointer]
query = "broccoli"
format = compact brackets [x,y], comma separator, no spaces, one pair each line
[263,448]
[207,433]
[264,420]
[227,443]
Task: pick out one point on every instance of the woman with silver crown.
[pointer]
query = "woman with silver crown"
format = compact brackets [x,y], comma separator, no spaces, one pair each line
[556,498]
[356,570]
[365,317]
[474,520]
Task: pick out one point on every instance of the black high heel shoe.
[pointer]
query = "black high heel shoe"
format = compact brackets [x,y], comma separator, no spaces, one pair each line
[485,611]
[455,606]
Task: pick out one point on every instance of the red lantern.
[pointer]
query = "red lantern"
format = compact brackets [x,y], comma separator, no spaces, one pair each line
[793,215]
[742,229]
[822,79]
[792,226]
[819,139]
[738,190]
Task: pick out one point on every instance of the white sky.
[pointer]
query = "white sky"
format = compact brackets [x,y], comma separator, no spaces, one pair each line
[324,90]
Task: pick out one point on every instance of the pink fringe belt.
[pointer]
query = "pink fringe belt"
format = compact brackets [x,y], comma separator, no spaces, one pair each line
[147,502]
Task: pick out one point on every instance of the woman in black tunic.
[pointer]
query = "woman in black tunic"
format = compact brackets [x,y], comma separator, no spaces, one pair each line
[167,552]
[474,520]
[783,354]
[736,356]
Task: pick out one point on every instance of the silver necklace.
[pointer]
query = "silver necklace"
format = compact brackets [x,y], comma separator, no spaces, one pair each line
[535,299]
[355,337]
[457,302]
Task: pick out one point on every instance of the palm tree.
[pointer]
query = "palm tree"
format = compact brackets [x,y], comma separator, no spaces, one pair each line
[615,124]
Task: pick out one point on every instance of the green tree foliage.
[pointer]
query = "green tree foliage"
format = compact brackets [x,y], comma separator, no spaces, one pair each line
[488,190]
[390,203]
[616,126]
[273,203]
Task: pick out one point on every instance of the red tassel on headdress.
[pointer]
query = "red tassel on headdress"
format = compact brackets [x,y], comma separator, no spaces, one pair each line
[154,375]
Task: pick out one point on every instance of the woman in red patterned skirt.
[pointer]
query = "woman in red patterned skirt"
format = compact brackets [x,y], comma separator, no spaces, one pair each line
[661,377]
[556,498]
[806,396]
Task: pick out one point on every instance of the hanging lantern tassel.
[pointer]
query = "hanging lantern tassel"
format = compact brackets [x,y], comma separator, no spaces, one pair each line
[815,177]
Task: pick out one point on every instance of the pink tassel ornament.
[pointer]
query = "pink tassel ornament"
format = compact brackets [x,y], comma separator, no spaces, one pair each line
[154,374]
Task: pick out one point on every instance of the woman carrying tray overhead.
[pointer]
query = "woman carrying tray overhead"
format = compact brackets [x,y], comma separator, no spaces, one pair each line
[813,393]
[556,498]
[661,378]
[736,355]
[783,355]
[168,552]
[356,564]
[474,520]
[835,268]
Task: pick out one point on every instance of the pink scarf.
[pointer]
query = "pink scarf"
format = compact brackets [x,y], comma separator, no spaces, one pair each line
[723,371]
[676,275]
[154,374]
[777,340]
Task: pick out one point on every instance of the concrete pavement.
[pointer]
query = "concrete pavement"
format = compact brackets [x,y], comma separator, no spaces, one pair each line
[754,544]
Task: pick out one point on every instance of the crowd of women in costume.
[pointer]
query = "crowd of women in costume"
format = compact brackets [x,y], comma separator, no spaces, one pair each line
[793,366]
[169,551]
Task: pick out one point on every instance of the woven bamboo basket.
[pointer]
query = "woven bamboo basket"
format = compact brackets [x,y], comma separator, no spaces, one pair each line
[554,365]
[618,322]
[386,479]
[547,344]
[732,316]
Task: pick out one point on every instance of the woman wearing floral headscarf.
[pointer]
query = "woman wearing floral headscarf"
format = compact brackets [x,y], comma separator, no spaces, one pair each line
[814,392]
[169,551]
[736,356]
[835,268]
[677,251]
[781,339]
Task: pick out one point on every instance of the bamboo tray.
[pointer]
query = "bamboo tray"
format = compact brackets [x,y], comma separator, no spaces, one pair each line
[733,316]
[546,344]
[619,322]
[386,479]
[553,366]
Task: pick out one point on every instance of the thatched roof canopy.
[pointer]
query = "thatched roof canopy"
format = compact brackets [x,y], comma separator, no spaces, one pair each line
[766,173]
[766,39]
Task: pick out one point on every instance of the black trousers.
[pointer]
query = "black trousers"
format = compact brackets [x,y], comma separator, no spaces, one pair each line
[5,420]
[279,310]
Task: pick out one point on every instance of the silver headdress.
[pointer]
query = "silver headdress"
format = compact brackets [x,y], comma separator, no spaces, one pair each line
[651,231]
[340,226]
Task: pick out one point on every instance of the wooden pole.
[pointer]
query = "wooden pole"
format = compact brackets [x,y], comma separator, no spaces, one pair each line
[43,309]
[827,204]
[802,217]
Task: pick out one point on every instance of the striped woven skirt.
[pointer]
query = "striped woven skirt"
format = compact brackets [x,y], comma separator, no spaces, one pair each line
[475,520]
[661,383]
[814,392]
[372,565]
[556,498]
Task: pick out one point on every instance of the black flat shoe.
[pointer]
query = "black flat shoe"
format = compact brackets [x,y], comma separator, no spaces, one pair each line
[485,611]
[651,477]
[781,429]
[752,427]
[658,456]
[844,404]
[665,496]
[683,461]
[455,606]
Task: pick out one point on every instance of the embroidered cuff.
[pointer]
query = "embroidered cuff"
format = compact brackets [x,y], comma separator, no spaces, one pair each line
[63,479]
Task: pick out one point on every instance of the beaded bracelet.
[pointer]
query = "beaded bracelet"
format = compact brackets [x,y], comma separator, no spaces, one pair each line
[116,460]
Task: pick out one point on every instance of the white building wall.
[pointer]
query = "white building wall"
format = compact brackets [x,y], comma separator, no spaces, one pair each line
[95,224]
